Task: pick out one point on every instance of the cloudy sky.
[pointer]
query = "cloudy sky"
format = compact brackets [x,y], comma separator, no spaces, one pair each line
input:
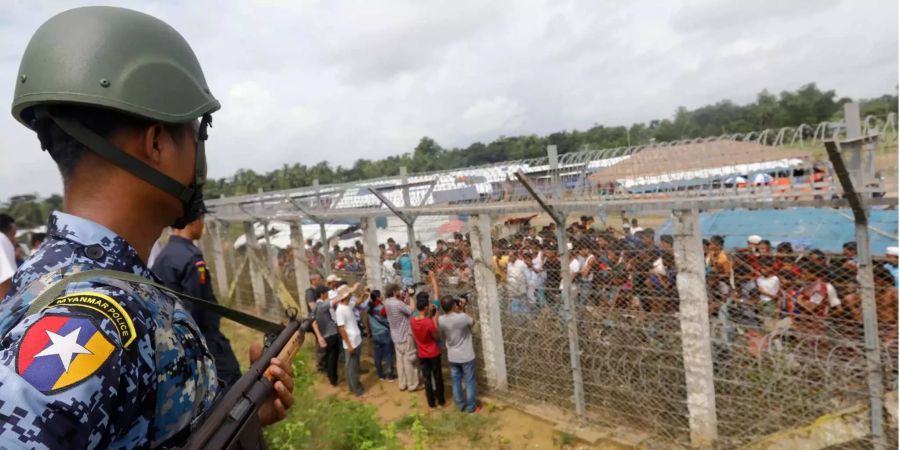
[303,81]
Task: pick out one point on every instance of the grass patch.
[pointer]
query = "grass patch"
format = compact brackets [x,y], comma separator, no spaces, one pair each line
[332,423]
[446,425]
[316,423]
[565,439]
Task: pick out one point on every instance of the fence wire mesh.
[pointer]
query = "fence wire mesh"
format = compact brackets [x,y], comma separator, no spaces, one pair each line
[785,313]
[788,338]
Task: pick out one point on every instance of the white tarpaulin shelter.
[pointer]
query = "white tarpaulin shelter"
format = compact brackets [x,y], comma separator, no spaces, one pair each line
[280,232]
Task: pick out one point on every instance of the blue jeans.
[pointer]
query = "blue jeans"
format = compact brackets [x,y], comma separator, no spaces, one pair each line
[384,354]
[463,372]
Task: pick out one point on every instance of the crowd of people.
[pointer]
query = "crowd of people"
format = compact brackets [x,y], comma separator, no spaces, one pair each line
[632,270]
[411,327]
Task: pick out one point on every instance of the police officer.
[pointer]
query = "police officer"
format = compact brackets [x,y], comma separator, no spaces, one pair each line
[119,101]
[180,265]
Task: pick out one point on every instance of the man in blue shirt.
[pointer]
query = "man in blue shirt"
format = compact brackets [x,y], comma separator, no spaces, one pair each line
[891,264]
[406,268]
[180,266]
[381,338]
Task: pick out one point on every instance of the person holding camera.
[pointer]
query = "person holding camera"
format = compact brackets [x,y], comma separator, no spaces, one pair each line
[455,326]
[425,331]
[398,313]
[381,338]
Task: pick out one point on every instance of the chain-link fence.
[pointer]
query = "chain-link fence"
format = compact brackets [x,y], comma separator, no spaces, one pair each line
[701,293]
[788,337]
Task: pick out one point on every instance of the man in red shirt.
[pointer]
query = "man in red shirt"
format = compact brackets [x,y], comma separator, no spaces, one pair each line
[425,331]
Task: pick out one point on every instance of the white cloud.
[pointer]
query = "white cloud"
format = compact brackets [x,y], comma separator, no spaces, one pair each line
[496,115]
[305,81]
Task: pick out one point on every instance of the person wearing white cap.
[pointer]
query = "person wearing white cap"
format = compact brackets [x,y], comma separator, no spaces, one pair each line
[333,281]
[891,264]
[351,337]
[753,241]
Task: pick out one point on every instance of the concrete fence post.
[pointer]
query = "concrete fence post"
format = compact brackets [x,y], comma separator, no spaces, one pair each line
[372,255]
[488,303]
[323,235]
[218,257]
[695,337]
[256,277]
[271,253]
[301,265]
[859,150]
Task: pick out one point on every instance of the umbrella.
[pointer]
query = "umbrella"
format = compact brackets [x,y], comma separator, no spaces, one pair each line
[762,178]
[453,226]
[736,180]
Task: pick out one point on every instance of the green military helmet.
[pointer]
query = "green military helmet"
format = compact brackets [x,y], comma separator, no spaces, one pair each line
[112,58]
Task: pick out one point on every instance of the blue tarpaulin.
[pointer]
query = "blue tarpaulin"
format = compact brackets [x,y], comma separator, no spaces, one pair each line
[825,229]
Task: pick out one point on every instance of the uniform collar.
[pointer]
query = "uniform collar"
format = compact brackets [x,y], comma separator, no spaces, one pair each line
[179,239]
[116,254]
[78,230]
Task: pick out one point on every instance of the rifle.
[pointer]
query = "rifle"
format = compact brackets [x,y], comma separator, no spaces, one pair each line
[232,422]
[229,423]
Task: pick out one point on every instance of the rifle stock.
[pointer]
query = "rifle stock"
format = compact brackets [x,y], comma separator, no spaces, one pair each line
[232,421]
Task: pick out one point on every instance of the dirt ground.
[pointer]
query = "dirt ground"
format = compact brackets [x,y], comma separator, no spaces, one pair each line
[511,428]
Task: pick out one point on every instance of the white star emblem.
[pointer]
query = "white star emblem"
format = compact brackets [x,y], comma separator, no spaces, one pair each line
[64,346]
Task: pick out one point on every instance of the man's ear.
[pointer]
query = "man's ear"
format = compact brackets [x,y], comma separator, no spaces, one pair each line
[153,143]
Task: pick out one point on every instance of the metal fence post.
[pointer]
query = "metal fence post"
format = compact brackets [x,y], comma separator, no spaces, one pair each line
[568,301]
[408,220]
[565,294]
[256,278]
[218,254]
[695,338]
[488,303]
[410,231]
[372,256]
[566,291]
[301,265]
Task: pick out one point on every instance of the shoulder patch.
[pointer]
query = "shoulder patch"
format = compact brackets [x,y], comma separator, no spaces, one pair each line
[106,306]
[60,351]
[201,269]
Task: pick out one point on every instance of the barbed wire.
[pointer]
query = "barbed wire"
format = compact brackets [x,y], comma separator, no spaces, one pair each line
[781,159]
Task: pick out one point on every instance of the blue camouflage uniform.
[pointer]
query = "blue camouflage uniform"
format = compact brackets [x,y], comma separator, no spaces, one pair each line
[109,363]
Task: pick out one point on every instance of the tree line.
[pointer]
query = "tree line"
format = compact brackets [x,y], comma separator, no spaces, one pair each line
[808,104]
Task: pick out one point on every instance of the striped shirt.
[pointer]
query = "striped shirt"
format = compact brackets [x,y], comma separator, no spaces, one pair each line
[398,314]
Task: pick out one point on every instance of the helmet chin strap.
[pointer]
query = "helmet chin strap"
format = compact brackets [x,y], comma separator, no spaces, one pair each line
[190,196]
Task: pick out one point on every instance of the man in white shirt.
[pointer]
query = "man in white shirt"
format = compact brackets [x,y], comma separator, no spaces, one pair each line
[351,338]
[517,276]
[388,272]
[7,253]
[768,285]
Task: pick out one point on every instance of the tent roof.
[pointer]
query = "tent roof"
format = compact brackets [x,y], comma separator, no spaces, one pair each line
[805,228]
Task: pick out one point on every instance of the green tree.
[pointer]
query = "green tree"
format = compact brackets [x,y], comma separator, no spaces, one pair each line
[808,104]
